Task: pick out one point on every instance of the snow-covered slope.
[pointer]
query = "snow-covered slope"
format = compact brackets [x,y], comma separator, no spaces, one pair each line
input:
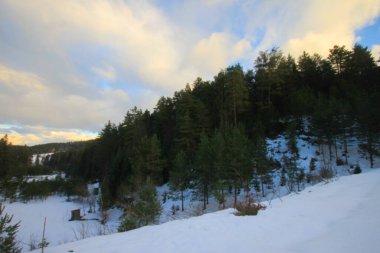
[340,216]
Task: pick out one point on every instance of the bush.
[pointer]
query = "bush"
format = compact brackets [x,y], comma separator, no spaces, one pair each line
[44,188]
[145,211]
[129,222]
[312,165]
[357,169]
[326,173]
[339,161]
[249,207]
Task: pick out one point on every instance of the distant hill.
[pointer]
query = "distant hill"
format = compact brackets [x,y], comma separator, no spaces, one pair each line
[58,147]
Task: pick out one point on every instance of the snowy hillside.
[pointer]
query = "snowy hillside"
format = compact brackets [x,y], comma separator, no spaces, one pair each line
[339,216]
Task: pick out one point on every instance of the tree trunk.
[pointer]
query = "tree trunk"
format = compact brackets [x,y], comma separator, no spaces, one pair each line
[224,201]
[345,147]
[204,198]
[183,209]
[235,195]
[370,150]
[234,100]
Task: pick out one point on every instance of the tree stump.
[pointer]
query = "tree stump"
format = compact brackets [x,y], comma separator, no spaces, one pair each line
[75,215]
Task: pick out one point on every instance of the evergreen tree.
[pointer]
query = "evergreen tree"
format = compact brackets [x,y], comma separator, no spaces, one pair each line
[146,162]
[8,243]
[339,56]
[236,94]
[268,79]
[145,211]
[180,175]
[204,169]
[238,160]
[4,157]
[217,156]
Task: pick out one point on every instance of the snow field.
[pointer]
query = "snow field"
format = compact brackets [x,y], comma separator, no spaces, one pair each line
[59,229]
[338,216]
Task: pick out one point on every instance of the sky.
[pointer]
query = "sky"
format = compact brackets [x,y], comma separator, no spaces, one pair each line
[67,67]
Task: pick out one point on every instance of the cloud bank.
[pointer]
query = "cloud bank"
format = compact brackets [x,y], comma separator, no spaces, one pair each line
[77,64]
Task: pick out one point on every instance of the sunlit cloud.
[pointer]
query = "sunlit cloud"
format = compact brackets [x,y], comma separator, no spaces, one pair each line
[325,23]
[37,135]
[19,81]
[40,104]
[77,64]
[217,51]
[107,72]
[376,53]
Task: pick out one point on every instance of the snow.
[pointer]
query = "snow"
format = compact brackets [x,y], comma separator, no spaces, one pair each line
[41,158]
[307,222]
[341,215]
[44,177]
[59,229]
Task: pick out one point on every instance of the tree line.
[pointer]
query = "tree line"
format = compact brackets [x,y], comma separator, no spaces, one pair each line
[211,135]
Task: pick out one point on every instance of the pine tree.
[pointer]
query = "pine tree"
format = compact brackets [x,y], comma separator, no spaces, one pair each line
[218,151]
[8,243]
[236,94]
[204,169]
[238,160]
[145,211]
[180,175]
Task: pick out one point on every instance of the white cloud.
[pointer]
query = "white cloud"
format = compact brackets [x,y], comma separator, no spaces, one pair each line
[325,23]
[217,51]
[60,51]
[107,72]
[18,81]
[219,2]
[40,104]
[137,34]
[376,53]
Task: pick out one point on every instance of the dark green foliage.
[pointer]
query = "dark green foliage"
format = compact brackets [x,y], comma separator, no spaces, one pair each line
[180,175]
[8,231]
[238,160]
[144,211]
[45,188]
[59,147]
[204,169]
[357,169]
[14,160]
[195,139]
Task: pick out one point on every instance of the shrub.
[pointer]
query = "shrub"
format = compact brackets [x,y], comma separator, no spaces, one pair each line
[326,173]
[249,207]
[339,161]
[145,211]
[357,169]
[312,165]
[129,222]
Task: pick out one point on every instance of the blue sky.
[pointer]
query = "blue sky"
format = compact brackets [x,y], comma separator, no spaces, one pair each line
[67,67]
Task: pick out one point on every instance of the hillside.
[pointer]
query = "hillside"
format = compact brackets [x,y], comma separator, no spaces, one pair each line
[58,147]
[338,216]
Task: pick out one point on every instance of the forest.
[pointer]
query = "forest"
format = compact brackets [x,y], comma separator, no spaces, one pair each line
[211,136]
